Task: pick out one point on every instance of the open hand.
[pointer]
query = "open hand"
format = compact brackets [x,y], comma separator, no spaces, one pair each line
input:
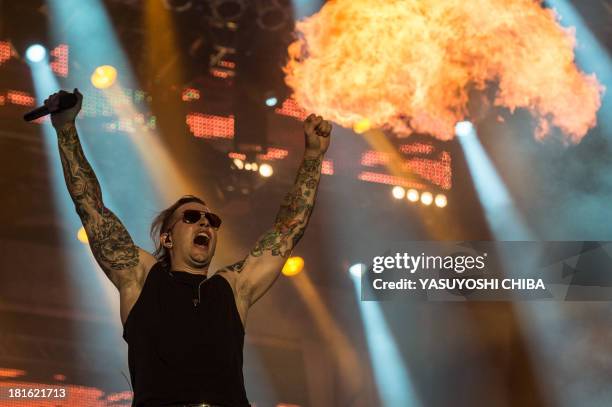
[317,133]
[60,118]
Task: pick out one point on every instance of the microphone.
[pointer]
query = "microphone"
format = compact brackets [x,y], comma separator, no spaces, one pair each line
[66,101]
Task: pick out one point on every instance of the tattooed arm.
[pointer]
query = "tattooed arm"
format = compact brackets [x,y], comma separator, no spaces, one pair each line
[109,241]
[257,272]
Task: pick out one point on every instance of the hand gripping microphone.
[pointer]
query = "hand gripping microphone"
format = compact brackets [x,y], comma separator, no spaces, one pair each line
[66,101]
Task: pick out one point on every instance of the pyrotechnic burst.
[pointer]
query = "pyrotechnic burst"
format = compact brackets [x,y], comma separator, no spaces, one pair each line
[409,64]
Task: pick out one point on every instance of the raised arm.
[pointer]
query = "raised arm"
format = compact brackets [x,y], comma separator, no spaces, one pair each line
[109,241]
[257,272]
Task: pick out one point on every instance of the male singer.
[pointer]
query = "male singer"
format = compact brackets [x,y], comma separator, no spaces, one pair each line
[183,324]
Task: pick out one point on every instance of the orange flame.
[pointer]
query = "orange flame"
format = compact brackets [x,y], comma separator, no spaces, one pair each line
[408,64]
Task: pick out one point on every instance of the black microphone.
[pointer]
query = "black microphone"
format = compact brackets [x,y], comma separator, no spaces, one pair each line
[66,101]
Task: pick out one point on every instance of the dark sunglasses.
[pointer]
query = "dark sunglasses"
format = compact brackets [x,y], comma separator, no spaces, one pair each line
[194,216]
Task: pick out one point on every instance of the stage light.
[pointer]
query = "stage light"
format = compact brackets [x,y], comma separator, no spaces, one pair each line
[82,235]
[292,109]
[247,166]
[293,266]
[211,126]
[254,166]
[273,154]
[391,375]
[265,170]
[6,373]
[464,128]
[238,163]
[441,201]
[361,126]
[398,192]
[412,195]
[104,76]
[328,167]
[271,101]
[426,198]
[504,219]
[357,269]
[36,53]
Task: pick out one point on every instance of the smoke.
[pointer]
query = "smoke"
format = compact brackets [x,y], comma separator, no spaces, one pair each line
[409,65]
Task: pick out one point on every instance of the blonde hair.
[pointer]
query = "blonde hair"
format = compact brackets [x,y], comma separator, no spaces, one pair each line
[161,223]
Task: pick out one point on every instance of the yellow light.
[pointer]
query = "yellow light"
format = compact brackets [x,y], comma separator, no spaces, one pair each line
[254,166]
[412,195]
[398,192]
[265,170]
[82,236]
[247,166]
[11,373]
[441,201]
[426,198]
[104,76]
[238,163]
[362,126]
[293,266]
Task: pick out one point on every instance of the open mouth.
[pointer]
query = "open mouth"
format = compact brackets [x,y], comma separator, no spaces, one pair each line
[201,240]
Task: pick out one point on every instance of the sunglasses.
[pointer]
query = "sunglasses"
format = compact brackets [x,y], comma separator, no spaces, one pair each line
[193,216]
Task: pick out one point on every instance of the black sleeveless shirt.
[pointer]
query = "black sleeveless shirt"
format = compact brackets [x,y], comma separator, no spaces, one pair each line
[181,350]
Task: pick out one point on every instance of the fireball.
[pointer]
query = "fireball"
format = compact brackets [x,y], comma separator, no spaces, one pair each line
[408,65]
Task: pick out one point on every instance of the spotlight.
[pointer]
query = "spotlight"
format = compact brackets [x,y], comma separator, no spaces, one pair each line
[361,126]
[412,195]
[104,76]
[357,269]
[426,198]
[464,128]
[82,236]
[441,201]
[238,163]
[271,101]
[247,166]
[398,192]
[265,170]
[254,166]
[36,53]
[293,266]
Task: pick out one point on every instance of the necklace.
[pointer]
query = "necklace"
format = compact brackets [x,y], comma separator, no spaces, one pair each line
[196,301]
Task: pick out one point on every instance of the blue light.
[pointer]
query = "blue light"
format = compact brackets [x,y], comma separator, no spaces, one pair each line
[92,37]
[36,53]
[503,218]
[271,101]
[464,128]
[357,269]
[392,377]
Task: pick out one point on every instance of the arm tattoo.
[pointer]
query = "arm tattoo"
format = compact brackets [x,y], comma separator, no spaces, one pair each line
[110,242]
[294,212]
